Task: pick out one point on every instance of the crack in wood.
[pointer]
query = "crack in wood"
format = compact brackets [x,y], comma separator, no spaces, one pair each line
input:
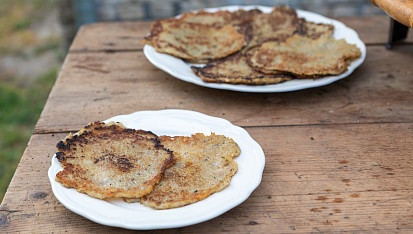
[4,213]
[92,69]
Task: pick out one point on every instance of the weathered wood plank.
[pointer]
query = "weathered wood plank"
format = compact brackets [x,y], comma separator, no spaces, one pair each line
[115,36]
[373,29]
[317,178]
[97,86]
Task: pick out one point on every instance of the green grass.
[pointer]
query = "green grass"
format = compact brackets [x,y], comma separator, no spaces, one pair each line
[21,98]
[20,109]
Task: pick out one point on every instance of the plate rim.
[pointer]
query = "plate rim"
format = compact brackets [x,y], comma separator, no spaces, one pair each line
[295,84]
[97,217]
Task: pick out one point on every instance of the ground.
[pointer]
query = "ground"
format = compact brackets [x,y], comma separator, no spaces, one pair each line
[30,56]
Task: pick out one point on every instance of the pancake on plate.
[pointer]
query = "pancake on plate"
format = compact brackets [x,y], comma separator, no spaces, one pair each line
[195,42]
[305,56]
[109,160]
[204,165]
[252,47]
[235,69]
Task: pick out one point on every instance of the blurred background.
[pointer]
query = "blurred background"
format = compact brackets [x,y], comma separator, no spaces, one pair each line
[36,34]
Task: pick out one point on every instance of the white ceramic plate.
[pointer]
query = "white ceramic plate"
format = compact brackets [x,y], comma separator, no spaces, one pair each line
[181,70]
[116,212]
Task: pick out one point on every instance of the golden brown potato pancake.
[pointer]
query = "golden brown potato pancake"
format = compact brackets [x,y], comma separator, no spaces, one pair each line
[204,165]
[194,42]
[305,56]
[109,160]
[234,69]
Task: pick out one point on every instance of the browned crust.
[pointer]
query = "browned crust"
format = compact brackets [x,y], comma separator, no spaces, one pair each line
[279,24]
[71,155]
[314,30]
[243,16]
[234,69]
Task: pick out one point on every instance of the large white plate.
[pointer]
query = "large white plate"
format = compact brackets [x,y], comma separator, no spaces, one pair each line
[181,70]
[118,213]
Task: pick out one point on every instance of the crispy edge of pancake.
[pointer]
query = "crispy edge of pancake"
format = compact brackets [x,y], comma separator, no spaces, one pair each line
[215,72]
[64,147]
[196,195]
[218,18]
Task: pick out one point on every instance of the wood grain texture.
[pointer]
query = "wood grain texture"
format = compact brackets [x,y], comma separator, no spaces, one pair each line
[317,178]
[97,86]
[110,36]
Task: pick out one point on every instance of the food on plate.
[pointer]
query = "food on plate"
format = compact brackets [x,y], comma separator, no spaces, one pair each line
[234,69]
[243,16]
[315,30]
[219,18]
[109,160]
[194,42]
[304,56]
[279,24]
[257,49]
[204,165]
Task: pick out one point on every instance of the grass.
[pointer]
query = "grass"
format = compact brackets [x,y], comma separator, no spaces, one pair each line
[16,17]
[20,109]
[21,101]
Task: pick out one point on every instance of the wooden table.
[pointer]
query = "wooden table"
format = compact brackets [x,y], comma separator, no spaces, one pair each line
[338,157]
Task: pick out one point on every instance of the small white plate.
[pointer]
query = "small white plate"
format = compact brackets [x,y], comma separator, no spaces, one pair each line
[116,212]
[182,70]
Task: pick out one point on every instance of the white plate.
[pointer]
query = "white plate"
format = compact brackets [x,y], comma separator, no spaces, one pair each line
[118,213]
[181,70]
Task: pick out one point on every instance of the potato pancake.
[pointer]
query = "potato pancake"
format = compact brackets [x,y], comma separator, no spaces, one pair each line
[109,160]
[204,165]
[194,42]
[305,56]
[234,69]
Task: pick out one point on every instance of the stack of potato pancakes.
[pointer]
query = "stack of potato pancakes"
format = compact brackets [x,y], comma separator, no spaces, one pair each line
[108,160]
[252,47]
